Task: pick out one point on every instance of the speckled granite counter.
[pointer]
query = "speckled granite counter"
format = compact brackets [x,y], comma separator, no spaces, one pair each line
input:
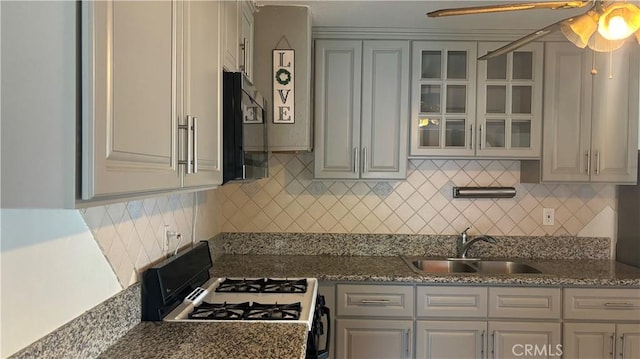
[214,340]
[587,272]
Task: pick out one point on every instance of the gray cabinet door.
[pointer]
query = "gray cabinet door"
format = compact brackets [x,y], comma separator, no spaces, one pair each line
[202,91]
[373,339]
[589,340]
[385,101]
[450,339]
[508,339]
[614,124]
[337,111]
[130,118]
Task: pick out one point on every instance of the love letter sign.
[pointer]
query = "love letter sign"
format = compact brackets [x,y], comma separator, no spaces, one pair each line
[283,89]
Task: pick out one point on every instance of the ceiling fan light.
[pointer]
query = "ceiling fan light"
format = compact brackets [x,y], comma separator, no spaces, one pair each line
[619,21]
[637,33]
[579,29]
[599,43]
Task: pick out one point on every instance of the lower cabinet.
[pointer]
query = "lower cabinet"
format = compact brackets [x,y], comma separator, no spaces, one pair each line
[601,340]
[524,339]
[371,339]
[450,339]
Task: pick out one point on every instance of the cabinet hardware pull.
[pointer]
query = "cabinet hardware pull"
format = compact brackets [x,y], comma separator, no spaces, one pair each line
[364,159]
[188,127]
[618,305]
[406,346]
[482,344]
[480,137]
[493,344]
[375,301]
[622,346]
[612,345]
[195,143]
[355,159]
[597,155]
[470,137]
[243,47]
[588,156]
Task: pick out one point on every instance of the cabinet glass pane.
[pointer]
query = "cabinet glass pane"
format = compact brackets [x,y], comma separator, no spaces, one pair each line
[457,65]
[521,99]
[521,133]
[497,68]
[456,98]
[523,66]
[430,98]
[454,135]
[496,99]
[494,136]
[429,132]
[431,64]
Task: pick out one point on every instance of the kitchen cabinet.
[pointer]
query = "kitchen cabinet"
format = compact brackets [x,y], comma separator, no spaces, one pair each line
[237,36]
[151,114]
[591,120]
[361,113]
[510,102]
[360,336]
[502,319]
[483,109]
[601,323]
[443,98]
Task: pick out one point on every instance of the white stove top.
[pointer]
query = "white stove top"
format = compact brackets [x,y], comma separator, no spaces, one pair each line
[306,299]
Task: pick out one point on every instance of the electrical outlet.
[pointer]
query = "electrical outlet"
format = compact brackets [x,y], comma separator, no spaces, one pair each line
[548,216]
[168,233]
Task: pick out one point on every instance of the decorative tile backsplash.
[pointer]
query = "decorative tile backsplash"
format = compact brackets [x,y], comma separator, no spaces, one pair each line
[132,234]
[290,201]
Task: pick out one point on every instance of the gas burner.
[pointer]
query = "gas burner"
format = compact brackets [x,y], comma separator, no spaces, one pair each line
[222,311]
[274,311]
[241,285]
[285,286]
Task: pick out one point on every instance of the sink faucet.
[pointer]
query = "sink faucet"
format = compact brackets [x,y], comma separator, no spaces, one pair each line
[464,243]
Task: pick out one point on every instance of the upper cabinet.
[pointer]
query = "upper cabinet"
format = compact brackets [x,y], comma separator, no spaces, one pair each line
[443,98]
[509,117]
[361,114]
[237,36]
[462,107]
[590,129]
[151,113]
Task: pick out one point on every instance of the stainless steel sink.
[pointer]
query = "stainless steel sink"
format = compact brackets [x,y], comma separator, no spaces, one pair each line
[455,265]
[441,266]
[504,267]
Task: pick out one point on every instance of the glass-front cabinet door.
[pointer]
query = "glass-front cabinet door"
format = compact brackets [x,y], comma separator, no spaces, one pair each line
[510,102]
[443,98]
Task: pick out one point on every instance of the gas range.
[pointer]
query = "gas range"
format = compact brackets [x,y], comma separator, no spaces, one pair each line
[181,289]
[276,300]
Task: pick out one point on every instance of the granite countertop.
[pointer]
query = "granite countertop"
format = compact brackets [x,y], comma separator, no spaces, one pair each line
[214,340]
[585,272]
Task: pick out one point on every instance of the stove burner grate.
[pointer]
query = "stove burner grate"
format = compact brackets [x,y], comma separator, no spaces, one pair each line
[241,285]
[285,286]
[224,311]
[274,311]
[263,285]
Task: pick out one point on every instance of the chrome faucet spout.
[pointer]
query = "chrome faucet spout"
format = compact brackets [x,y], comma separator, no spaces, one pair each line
[466,244]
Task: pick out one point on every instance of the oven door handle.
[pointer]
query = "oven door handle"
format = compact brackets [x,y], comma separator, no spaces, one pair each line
[325,310]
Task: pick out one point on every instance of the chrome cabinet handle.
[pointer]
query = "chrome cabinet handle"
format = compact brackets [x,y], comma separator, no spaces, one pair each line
[480,137]
[618,305]
[588,156]
[493,344]
[190,134]
[355,159]
[364,159]
[407,341]
[243,47]
[194,142]
[597,155]
[470,137]
[622,346]
[375,301]
[482,344]
[612,345]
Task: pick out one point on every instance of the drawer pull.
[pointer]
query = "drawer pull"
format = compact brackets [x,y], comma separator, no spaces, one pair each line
[618,305]
[375,301]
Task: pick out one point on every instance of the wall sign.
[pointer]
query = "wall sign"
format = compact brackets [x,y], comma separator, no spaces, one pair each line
[283,89]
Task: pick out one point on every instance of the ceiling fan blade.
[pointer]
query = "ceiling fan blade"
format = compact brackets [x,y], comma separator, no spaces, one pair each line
[553,5]
[523,40]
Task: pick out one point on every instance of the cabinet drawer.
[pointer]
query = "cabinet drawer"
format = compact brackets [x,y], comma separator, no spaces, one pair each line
[609,304]
[375,300]
[452,301]
[536,303]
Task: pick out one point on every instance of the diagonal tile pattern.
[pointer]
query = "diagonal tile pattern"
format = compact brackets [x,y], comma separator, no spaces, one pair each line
[290,201]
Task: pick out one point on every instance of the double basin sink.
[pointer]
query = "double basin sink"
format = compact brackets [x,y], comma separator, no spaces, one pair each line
[460,265]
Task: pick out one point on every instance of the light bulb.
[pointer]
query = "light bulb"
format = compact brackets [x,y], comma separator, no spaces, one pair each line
[618,29]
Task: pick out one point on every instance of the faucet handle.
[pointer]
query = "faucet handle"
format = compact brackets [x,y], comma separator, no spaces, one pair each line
[464,233]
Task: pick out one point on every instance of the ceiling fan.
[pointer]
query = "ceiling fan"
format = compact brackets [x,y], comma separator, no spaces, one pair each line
[604,27]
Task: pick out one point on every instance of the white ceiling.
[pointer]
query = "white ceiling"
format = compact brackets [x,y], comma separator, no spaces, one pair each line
[411,14]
